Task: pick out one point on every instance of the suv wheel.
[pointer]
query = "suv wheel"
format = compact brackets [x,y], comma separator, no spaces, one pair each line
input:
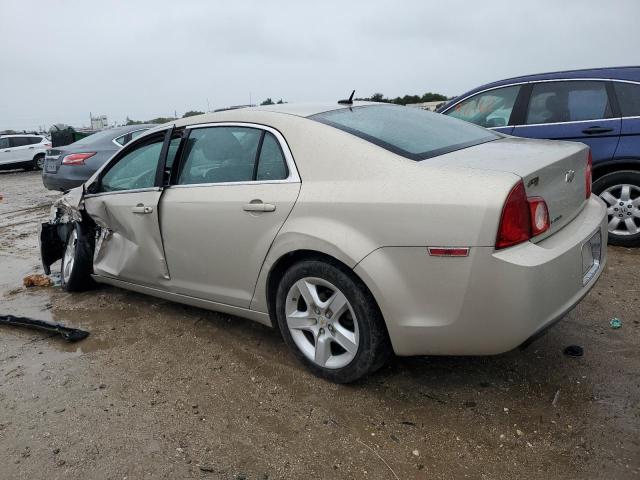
[621,192]
[331,322]
[38,162]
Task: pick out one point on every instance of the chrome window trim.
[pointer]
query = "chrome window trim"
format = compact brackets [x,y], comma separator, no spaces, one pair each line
[564,123]
[128,133]
[294,176]
[118,192]
[120,145]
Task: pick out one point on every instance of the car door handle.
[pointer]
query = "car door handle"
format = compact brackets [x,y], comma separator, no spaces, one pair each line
[142,209]
[596,130]
[31,148]
[258,206]
[7,151]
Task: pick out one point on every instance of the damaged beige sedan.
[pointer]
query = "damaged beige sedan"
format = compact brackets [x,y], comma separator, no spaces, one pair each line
[358,230]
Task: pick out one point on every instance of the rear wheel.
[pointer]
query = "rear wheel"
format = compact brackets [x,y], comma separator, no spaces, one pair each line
[76,265]
[38,162]
[331,322]
[621,192]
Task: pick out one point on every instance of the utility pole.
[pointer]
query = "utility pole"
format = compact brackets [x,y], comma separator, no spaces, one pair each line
[208,106]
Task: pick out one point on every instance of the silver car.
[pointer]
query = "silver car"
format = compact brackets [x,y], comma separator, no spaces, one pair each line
[358,230]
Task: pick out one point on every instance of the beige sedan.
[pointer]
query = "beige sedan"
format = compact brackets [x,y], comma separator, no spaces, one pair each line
[358,230]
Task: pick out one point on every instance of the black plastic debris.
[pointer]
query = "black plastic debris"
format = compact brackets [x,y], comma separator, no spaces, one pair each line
[69,334]
[574,351]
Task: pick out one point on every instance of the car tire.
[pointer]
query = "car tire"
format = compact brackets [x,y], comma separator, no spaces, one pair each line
[621,192]
[76,265]
[341,346]
[38,162]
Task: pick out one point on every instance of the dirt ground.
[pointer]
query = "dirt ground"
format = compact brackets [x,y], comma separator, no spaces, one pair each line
[160,390]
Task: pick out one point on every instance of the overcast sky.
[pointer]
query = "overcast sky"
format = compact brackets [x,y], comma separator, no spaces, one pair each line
[143,59]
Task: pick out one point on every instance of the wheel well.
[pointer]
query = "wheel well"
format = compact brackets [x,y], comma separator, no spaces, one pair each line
[602,170]
[282,265]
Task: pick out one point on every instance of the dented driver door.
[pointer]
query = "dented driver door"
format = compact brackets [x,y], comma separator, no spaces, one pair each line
[125,206]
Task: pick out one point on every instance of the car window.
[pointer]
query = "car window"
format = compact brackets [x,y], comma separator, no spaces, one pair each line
[411,132]
[136,169]
[488,109]
[121,139]
[137,133]
[34,140]
[271,163]
[4,143]
[19,141]
[173,150]
[628,98]
[220,154]
[553,102]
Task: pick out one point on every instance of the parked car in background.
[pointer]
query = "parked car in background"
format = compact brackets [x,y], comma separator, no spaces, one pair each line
[599,107]
[345,226]
[23,151]
[71,165]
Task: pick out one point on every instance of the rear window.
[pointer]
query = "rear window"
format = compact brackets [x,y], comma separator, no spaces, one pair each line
[411,132]
[628,98]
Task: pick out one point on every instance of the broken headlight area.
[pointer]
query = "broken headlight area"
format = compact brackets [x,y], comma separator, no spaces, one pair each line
[65,212]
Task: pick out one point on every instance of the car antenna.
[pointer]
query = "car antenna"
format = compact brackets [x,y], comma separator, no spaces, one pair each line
[348,101]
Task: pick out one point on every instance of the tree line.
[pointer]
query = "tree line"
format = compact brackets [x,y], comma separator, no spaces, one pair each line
[406,99]
[376,97]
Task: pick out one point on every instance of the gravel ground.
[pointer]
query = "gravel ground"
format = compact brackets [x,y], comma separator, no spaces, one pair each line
[160,390]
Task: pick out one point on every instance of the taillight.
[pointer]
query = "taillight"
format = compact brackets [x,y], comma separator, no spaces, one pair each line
[539,215]
[522,218]
[588,175]
[77,158]
[48,145]
[515,223]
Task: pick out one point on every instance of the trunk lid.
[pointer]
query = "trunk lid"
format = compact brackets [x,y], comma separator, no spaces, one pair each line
[553,170]
[53,159]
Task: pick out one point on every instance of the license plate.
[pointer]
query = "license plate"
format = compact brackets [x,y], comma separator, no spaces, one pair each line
[591,257]
[50,167]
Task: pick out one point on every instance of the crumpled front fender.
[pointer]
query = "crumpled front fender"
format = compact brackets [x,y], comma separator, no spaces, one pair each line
[53,235]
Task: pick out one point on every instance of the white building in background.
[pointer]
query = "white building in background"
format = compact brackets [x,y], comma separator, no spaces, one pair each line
[431,106]
[99,122]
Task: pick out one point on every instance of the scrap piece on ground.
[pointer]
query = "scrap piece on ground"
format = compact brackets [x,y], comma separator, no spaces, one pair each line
[37,280]
[615,323]
[574,351]
[69,334]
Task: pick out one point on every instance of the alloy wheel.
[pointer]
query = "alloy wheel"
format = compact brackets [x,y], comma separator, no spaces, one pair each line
[623,209]
[69,256]
[322,322]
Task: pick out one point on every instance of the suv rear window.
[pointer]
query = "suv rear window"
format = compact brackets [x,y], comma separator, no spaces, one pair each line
[628,98]
[411,132]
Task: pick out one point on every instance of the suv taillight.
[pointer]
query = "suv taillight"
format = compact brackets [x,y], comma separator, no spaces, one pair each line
[588,175]
[77,158]
[522,218]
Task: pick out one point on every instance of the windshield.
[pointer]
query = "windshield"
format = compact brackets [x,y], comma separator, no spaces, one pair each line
[411,132]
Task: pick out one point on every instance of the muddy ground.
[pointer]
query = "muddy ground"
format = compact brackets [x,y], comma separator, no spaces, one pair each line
[160,390]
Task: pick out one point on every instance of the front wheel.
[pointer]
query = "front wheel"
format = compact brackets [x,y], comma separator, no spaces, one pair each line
[331,321]
[77,261]
[621,192]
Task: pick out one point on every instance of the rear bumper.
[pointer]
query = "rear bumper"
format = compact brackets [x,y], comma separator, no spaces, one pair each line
[487,303]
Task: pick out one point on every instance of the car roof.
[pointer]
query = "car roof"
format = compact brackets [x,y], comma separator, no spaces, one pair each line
[8,135]
[301,110]
[631,73]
